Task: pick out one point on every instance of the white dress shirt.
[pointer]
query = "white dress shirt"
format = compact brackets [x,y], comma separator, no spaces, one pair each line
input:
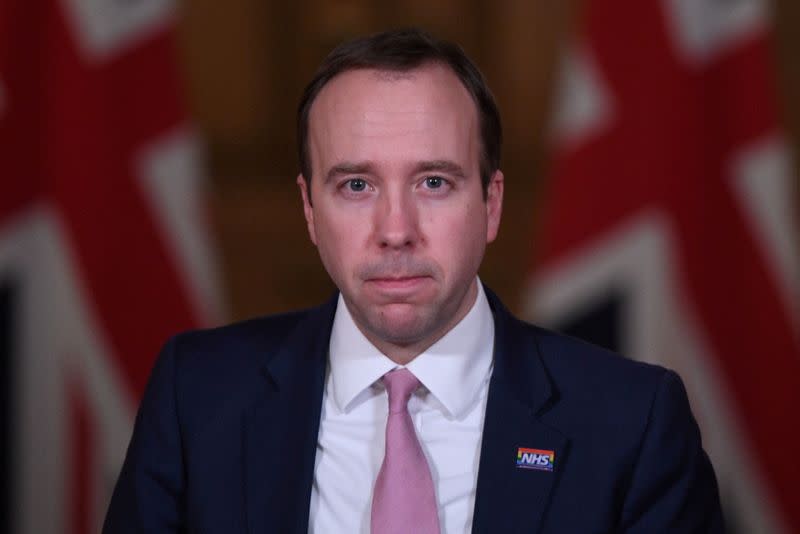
[447,412]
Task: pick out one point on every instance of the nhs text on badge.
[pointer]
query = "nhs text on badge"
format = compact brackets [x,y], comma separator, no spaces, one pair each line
[543,460]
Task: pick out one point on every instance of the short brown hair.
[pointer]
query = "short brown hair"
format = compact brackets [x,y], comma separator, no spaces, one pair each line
[402,51]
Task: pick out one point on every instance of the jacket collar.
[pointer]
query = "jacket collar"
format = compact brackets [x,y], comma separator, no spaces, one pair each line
[305,346]
[281,427]
[511,496]
[517,359]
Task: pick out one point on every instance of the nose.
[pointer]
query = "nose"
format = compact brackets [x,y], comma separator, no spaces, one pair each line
[396,221]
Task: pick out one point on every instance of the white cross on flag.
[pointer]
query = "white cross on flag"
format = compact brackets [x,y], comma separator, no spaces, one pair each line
[668,230]
[104,249]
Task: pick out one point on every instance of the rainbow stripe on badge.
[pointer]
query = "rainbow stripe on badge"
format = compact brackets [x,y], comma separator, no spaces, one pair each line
[540,459]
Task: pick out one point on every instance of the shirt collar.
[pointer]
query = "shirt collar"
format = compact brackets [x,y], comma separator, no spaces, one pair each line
[453,369]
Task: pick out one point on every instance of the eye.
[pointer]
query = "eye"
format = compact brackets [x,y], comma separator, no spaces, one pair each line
[356,185]
[434,182]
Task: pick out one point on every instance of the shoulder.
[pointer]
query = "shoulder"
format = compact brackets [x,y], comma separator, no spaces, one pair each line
[224,368]
[597,389]
[238,344]
[575,377]
[253,342]
[634,445]
[576,363]
[567,363]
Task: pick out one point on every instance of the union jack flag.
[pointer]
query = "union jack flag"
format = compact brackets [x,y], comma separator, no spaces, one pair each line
[669,231]
[104,249]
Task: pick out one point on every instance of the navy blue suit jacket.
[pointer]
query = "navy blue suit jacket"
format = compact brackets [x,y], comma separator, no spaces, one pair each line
[226,435]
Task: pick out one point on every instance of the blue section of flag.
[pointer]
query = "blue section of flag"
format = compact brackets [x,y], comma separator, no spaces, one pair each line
[6,409]
[599,322]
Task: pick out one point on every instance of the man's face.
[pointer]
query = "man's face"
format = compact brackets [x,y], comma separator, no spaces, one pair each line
[396,206]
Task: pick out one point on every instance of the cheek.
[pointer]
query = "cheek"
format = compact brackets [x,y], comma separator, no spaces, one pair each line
[339,219]
[339,239]
[459,235]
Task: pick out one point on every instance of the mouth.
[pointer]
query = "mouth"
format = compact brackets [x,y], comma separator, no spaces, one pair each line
[398,283]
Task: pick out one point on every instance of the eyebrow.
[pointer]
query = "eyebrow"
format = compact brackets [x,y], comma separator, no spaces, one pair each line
[438,165]
[441,165]
[348,167]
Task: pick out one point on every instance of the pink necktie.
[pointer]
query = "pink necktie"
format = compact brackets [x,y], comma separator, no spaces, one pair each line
[404,500]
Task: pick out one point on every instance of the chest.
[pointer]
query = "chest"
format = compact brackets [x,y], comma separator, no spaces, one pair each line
[350,450]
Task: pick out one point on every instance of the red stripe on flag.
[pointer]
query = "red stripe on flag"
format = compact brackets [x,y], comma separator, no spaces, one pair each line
[743,318]
[20,112]
[744,91]
[101,119]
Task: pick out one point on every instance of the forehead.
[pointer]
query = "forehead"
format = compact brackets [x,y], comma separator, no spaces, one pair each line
[369,113]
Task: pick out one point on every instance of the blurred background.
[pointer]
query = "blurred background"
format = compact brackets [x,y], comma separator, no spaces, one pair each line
[147,166]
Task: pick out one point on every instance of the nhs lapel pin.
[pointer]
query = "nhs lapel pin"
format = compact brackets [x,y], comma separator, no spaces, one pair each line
[540,459]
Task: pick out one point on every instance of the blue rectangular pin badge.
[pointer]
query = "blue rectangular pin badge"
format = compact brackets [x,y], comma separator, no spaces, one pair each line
[540,459]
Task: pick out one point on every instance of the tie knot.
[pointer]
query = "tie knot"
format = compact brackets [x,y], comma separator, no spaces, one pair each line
[400,384]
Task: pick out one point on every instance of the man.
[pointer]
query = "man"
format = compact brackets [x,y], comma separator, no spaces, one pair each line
[412,401]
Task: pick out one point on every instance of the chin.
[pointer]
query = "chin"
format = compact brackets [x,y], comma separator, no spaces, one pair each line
[400,327]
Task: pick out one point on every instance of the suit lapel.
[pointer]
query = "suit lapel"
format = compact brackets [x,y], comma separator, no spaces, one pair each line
[511,498]
[280,429]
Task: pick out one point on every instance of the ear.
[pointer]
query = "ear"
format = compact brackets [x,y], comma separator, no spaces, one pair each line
[308,209]
[494,205]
